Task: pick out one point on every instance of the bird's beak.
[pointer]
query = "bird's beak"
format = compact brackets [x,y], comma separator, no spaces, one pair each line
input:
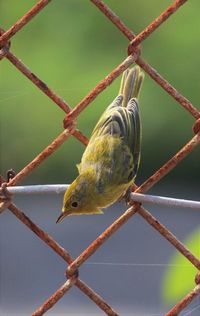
[61,217]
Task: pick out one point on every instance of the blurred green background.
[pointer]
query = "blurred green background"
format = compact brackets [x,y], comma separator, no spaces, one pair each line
[71,46]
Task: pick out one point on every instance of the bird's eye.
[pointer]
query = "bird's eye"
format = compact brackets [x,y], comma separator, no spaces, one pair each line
[74,204]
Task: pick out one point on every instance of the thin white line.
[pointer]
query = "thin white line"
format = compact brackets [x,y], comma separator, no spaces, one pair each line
[60,188]
[138,264]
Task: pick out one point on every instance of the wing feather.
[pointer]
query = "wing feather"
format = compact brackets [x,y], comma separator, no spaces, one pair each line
[123,123]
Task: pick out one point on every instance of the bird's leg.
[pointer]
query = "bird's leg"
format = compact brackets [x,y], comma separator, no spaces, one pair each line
[126,196]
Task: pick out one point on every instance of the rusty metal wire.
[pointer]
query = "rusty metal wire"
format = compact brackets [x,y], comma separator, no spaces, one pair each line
[134,52]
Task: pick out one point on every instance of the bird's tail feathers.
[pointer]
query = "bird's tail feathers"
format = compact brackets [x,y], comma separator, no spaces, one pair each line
[131,84]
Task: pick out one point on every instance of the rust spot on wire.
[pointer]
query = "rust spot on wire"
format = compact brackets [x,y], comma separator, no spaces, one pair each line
[4,48]
[4,193]
[5,197]
[196,126]
[197,278]
[42,85]
[4,51]
[4,205]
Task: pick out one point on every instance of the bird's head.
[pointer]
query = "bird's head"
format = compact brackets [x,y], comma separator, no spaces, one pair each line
[79,199]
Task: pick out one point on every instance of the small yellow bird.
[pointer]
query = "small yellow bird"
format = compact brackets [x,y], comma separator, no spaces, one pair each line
[110,162]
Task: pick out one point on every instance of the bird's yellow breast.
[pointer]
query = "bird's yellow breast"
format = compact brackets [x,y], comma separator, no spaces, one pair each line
[107,161]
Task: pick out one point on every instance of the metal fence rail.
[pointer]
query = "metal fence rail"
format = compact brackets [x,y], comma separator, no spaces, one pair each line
[134,52]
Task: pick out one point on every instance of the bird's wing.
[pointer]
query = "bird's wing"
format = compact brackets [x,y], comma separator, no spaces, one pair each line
[122,122]
[117,102]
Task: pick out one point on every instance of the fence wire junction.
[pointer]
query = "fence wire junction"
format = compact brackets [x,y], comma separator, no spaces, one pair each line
[134,56]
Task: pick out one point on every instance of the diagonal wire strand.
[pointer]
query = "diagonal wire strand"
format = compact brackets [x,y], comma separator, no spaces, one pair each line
[23,21]
[63,254]
[143,64]
[72,114]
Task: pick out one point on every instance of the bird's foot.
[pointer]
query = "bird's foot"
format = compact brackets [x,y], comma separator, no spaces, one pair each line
[126,196]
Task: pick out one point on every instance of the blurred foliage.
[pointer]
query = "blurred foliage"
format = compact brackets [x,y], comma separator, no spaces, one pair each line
[71,46]
[180,274]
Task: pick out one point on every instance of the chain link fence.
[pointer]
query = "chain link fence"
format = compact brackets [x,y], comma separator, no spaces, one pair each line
[134,56]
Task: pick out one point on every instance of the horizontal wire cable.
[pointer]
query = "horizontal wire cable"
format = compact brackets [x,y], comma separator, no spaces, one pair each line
[138,197]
